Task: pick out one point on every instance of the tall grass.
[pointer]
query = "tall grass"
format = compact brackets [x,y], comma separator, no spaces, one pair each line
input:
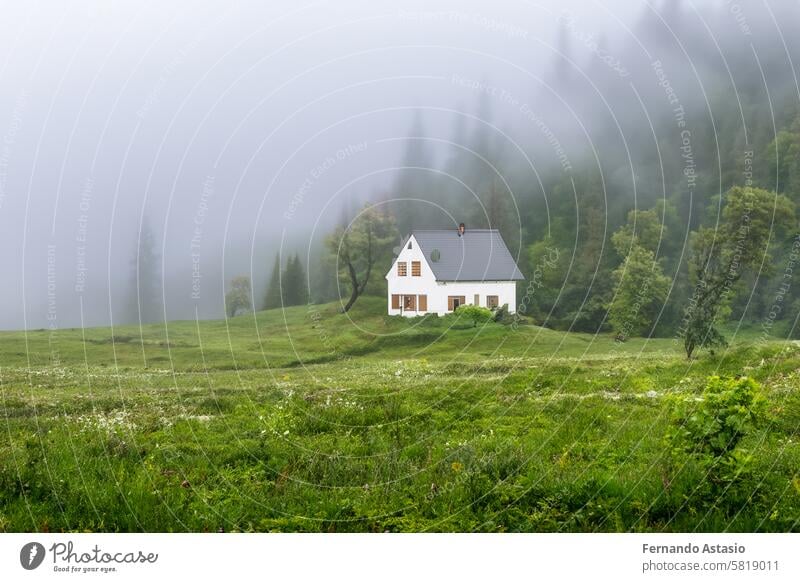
[288,422]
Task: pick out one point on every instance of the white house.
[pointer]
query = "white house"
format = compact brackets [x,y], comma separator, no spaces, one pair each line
[438,270]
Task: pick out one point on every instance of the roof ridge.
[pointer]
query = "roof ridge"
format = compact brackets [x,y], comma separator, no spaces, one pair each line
[454,230]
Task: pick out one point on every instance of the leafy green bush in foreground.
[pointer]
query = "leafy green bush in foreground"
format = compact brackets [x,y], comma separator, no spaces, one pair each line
[710,429]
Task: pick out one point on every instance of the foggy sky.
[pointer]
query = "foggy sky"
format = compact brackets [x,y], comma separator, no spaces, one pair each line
[234,126]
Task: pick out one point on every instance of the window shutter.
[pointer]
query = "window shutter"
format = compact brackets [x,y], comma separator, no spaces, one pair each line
[402,269]
[423,302]
[395,302]
[477,300]
[416,269]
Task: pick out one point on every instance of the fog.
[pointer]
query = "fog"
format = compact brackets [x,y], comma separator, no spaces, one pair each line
[231,131]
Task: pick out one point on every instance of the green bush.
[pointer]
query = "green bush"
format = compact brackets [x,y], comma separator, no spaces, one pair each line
[710,429]
[475,313]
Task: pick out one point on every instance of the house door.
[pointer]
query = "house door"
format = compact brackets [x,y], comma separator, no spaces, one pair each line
[409,302]
[454,301]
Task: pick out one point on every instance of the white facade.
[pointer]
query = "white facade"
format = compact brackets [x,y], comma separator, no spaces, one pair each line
[411,295]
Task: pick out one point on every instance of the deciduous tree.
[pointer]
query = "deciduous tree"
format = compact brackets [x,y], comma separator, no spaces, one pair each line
[238,299]
[640,292]
[751,219]
[359,246]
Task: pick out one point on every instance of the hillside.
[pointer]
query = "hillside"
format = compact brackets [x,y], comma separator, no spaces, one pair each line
[311,420]
[307,335]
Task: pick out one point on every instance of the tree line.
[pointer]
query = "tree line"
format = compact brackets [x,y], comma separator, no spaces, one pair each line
[646,233]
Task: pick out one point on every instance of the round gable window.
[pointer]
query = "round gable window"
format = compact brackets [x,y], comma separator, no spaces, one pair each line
[435,255]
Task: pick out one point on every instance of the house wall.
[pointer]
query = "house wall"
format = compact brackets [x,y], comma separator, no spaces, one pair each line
[438,292]
[425,284]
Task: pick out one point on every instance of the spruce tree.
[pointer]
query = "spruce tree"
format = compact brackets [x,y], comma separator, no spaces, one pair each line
[147,276]
[413,181]
[272,299]
[295,290]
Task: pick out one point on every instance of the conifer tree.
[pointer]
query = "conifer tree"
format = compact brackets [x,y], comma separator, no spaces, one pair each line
[272,299]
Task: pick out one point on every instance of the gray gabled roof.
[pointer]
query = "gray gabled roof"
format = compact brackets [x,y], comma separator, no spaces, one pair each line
[478,255]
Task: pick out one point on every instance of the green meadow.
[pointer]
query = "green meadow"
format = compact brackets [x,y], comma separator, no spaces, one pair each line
[307,419]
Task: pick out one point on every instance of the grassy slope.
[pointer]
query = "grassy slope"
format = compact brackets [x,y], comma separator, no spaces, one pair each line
[313,420]
[301,335]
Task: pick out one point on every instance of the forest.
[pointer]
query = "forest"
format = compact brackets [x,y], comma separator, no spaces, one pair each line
[675,211]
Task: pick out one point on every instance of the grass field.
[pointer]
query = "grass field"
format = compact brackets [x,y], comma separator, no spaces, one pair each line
[311,420]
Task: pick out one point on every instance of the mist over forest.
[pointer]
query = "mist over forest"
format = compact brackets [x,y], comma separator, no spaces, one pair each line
[152,155]
[373,266]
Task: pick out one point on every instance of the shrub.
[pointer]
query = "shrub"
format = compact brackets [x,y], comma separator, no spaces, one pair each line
[501,314]
[475,313]
[710,429]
